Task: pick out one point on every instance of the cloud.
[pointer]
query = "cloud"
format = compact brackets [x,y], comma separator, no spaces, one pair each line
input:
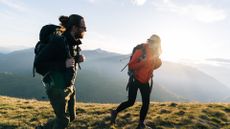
[92,1]
[203,13]
[138,2]
[206,13]
[14,4]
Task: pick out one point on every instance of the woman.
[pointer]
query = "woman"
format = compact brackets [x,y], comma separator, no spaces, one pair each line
[144,60]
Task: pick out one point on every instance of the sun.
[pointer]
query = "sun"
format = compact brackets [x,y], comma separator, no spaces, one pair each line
[183,44]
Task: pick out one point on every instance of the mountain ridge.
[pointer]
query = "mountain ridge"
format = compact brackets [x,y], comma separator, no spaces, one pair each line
[101,72]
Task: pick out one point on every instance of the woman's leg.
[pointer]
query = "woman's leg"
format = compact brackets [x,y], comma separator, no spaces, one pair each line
[131,98]
[145,94]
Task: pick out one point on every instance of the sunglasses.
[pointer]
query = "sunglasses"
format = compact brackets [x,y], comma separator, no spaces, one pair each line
[83,27]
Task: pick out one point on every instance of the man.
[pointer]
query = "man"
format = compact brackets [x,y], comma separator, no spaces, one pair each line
[62,57]
[144,60]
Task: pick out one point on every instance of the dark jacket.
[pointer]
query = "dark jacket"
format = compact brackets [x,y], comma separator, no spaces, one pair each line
[55,53]
[74,52]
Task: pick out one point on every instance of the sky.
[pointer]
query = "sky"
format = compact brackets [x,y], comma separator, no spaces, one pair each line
[189,29]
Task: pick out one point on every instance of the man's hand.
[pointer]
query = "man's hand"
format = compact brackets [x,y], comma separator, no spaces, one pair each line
[69,63]
[80,58]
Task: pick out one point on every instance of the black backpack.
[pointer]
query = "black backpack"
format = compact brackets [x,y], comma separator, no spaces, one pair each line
[143,55]
[139,46]
[45,34]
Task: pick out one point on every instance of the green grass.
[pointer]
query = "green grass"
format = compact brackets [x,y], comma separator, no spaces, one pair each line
[26,114]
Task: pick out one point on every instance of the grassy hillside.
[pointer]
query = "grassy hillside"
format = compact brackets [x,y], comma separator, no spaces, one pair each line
[21,114]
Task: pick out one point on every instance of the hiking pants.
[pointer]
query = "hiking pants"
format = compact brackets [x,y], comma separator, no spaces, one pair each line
[63,103]
[145,94]
[62,100]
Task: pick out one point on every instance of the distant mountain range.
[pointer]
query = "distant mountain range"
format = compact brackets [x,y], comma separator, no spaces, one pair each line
[3,50]
[219,60]
[218,68]
[100,79]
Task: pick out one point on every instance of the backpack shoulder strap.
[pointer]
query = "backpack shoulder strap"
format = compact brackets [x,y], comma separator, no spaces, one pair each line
[37,49]
[139,46]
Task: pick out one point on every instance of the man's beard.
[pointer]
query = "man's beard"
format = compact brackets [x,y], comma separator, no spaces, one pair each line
[78,36]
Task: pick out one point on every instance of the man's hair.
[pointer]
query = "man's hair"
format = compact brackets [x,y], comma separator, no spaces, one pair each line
[68,21]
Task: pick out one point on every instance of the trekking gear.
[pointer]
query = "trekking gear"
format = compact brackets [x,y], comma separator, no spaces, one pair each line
[48,33]
[113,116]
[125,58]
[140,46]
[143,56]
[124,67]
[151,85]
[142,125]
[132,94]
[130,72]
[78,49]
[39,127]
[45,35]
[78,53]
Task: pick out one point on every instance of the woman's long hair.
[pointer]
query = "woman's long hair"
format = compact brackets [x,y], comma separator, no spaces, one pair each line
[156,41]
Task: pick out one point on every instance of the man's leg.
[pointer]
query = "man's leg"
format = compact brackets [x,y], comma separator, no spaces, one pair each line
[71,105]
[58,102]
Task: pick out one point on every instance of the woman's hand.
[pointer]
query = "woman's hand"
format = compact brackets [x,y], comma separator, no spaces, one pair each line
[157,62]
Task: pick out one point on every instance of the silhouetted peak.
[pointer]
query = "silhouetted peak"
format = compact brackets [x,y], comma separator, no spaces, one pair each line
[99,50]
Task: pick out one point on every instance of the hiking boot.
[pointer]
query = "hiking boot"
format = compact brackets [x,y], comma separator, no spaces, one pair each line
[39,127]
[143,126]
[113,116]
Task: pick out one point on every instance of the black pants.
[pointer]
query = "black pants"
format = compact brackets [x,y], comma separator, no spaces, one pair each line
[145,94]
